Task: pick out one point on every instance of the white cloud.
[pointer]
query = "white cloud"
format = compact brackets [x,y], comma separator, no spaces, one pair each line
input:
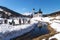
[24,9]
[27,13]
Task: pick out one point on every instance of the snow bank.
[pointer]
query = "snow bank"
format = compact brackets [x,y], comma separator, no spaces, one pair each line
[16,21]
[7,31]
[46,19]
[57,17]
[56,26]
[57,21]
[36,19]
[57,36]
[5,27]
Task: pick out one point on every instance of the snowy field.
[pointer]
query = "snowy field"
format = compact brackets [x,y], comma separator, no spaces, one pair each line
[54,23]
[9,31]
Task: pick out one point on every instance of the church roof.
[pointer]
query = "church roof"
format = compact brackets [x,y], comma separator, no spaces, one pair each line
[38,12]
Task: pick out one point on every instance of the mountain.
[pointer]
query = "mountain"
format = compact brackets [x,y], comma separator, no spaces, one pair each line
[52,14]
[11,11]
[5,10]
[16,14]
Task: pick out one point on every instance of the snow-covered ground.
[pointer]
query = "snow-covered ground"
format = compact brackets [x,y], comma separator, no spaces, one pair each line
[8,31]
[57,36]
[55,24]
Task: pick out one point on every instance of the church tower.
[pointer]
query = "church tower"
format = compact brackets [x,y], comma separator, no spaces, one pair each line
[36,14]
[39,13]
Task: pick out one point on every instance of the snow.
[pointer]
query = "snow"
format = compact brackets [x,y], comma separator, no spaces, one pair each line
[16,21]
[43,39]
[46,19]
[58,17]
[8,31]
[27,13]
[4,28]
[57,36]
[9,20]
[58,21]
[55,24]
[36,19]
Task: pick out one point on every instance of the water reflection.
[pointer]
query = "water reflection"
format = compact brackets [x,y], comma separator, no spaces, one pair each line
[39,31]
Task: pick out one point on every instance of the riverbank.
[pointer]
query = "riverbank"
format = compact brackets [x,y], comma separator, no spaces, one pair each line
[46,36]
[28,36]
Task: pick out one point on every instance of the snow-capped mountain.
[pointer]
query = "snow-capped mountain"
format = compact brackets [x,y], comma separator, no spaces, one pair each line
[6,12]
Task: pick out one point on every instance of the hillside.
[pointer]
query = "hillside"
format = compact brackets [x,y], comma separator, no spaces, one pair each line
[52,14]
[5,10]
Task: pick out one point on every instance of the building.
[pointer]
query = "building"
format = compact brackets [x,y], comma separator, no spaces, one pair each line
[37,14]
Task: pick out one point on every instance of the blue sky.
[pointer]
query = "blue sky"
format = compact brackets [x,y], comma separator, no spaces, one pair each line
[21,6]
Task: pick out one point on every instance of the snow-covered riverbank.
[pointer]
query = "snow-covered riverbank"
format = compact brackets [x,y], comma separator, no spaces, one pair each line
[8,31]
[54,23]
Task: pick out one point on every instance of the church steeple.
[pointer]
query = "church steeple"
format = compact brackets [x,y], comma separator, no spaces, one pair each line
[40,11]
[33,8]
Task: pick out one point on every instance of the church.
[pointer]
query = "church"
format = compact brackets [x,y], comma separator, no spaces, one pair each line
[38,13]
